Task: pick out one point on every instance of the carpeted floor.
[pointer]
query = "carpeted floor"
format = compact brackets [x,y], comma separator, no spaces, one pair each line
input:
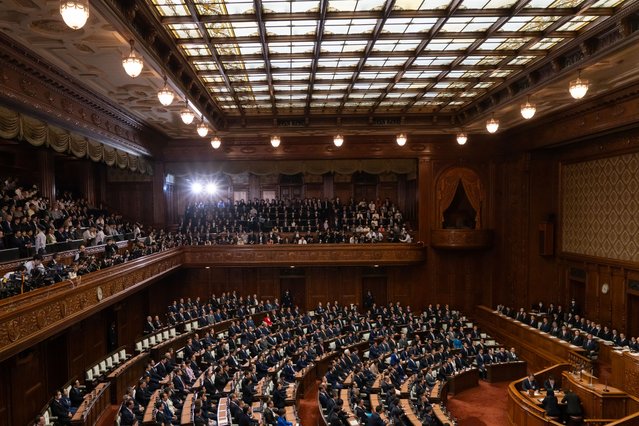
[484,405]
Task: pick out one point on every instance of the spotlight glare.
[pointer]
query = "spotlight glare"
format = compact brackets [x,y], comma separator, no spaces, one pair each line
[196,187]
[211,188]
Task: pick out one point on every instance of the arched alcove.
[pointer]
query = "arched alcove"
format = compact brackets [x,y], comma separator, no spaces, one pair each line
[459,209]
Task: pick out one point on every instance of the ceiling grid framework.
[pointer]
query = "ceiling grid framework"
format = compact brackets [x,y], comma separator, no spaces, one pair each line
[275,59]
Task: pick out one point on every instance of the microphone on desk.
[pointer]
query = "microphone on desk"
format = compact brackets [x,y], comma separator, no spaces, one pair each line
[605,389]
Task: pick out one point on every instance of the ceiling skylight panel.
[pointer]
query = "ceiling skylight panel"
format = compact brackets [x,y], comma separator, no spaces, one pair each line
[196,49]
[304,27]
[280,63]
[577,22]
[449,44]
[513,43]
[281,28]
[212,79]
[472,74]
[237,7]
[185,30]
[516,23]
[276,6]
[353,5]
[546,43]
[500,73]
[243,29]
[522,60]
[540,23]
[484,85]
[354,46]
[396,45]
[171,7]
[607,3]
[249,48]
[422,5]
[385,62]
[201,65]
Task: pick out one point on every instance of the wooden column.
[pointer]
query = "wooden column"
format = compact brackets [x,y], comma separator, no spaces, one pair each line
[424,200]
[46,164]
[159,200]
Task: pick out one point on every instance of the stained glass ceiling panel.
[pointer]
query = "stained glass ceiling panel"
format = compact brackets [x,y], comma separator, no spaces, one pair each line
[422,54]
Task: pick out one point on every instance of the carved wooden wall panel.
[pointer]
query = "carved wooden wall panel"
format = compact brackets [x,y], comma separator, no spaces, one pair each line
[65,303]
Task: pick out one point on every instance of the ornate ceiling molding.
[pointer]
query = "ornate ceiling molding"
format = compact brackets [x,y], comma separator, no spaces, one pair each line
[40,89]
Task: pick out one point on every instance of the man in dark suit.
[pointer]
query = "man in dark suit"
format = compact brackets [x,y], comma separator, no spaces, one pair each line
[529,383]
[127,417]
[551,384]
[75,394]
[375,419]
[573,404]
[148,325]
[59,410]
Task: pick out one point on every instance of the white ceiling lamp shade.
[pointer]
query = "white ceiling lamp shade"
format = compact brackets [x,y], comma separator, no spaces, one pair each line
[462,138]
[528,110]
[202,128]
[579,87]
[133,63]
[75,13]
[216,142]
[338,140]
[492,125]
[186,114]
[165,94]
[275,141]
[401,139]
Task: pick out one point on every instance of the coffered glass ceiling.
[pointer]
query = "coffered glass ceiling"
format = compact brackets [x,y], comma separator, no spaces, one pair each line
[262,57]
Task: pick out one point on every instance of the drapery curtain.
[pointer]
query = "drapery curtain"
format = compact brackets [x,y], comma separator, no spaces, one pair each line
[446,193]
[472,186]
[447,187]
[313,167]
[17,126]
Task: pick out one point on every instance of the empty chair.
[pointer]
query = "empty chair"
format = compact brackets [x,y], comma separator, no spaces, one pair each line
[89,375]
[220,336]
[145,343]
[194,325]
[332,346]
[482,335]
[366,354]
[158,337]
[152,341]
[165,334]
[253,310]
[172,332]
[96,371]
[404,330]
[116,358]
[180,354]
[311,313]
[109,363]
[103,366]
[187,327]
[138,346]
[366,336]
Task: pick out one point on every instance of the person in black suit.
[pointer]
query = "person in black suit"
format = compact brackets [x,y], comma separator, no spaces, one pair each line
[529,383]
[269,413]
[148,325]
[59,410]
[360,411]
[75,394]
[573,404]
[550,384]
[375,419]
[551,405]
[127,417]
[245,418]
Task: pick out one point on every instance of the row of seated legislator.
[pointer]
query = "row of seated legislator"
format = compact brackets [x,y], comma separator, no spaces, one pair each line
[31,223]
[222,358]
[291,215]
[571,327]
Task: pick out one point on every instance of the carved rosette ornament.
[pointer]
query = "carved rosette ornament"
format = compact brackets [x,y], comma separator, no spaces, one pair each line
[13,330]
[41,318]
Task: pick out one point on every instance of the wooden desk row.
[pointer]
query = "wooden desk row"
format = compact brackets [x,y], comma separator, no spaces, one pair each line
[542,350]
[95,402]
[601,404]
